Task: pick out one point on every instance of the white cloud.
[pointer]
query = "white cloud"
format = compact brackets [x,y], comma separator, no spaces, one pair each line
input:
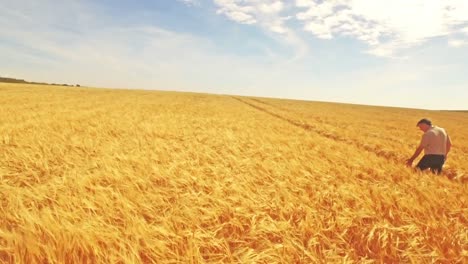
[456,43]
[464,30]
[386,26]
[238,12]
[240,17]
[190,2]
[266,13]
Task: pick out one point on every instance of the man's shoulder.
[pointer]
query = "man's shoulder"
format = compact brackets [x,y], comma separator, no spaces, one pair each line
[438,130]
[432,131]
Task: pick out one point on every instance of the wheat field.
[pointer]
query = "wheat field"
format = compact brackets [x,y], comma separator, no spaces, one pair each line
[131,176]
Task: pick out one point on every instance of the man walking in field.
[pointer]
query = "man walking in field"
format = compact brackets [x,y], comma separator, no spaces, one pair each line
[436,145]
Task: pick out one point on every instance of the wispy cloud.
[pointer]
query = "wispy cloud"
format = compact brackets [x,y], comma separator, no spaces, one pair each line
[456,43]
[464,30]
[386,27]
[270,15]
[190,2]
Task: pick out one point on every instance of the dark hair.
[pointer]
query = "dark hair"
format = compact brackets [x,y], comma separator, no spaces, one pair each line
[424,121]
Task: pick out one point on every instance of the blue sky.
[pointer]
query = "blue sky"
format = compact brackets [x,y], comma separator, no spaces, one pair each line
[394,53]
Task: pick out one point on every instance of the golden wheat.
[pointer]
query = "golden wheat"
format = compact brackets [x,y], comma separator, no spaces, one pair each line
[120,176]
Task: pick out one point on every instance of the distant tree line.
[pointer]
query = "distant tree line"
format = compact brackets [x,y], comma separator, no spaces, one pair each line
[13,80]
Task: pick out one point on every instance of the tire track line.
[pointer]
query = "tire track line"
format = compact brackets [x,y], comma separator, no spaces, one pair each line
[308,127]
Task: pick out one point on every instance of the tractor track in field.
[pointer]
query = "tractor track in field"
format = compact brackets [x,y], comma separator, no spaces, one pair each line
[387,155]
[312,128]
[270,105]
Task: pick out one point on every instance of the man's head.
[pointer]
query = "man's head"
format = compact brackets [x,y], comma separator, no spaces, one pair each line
[424,124]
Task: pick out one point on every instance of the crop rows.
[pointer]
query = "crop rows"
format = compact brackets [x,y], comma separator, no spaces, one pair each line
[95,175]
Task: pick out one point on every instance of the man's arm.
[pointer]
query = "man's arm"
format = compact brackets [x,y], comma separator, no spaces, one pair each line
[448,147]
[418,151]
